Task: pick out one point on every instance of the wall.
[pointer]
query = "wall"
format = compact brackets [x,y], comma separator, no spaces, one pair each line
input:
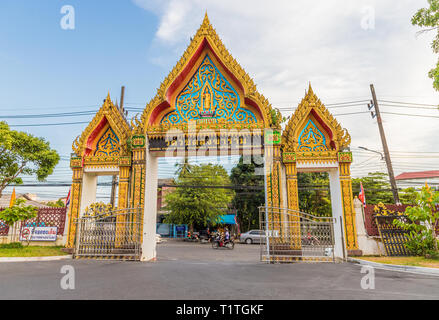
[369,245]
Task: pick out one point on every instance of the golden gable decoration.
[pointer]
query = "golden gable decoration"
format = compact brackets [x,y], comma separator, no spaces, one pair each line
[206,31]
[311,107]
[117,122]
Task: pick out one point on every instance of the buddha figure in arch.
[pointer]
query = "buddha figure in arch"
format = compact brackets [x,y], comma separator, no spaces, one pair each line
[207,104]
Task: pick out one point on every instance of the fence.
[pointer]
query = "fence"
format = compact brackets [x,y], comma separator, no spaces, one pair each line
[46,217]
[4,229]
[393,237]
[369,217]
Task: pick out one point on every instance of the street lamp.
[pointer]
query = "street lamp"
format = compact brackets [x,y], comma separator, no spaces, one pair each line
[390,170]
[382,156]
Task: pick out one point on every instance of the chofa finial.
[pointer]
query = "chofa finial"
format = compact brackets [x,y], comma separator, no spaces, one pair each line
[310,89]
[206,18]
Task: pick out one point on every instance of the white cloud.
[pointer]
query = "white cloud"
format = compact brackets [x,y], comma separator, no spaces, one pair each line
[285,44]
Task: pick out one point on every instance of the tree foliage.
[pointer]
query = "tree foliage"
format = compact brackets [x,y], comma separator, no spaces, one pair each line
[23,154]
[56,204]
[199,206]
[314,194]
[18,212]
[376,186]
[247,202]
[428,18]
[422,223]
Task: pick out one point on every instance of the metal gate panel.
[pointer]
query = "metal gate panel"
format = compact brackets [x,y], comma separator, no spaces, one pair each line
[292,236]
[115,235]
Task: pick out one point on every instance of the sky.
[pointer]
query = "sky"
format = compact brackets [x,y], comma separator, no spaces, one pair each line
[340,46]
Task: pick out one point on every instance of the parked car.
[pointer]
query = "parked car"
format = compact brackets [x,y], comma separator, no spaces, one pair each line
[158,238]
[252,236]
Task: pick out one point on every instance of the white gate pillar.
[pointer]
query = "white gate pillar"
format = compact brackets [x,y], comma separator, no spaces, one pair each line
[88,195]
[337,213]
[150,208]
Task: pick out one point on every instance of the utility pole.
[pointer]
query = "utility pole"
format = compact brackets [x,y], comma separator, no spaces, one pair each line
[114,179]
[122,95]
[384,142]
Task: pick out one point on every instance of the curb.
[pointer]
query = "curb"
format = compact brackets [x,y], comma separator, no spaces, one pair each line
[29,259]
[399,268]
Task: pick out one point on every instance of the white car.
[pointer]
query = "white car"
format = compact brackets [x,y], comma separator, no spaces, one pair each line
[158,238]
[252,236]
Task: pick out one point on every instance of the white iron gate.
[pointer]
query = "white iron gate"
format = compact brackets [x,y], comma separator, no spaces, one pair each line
[114,235]
[295,236]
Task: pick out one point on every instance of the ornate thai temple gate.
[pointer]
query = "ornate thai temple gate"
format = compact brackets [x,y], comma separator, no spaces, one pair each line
[206,104]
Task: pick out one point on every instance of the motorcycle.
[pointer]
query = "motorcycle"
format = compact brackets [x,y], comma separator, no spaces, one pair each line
[218,242]
[194,237]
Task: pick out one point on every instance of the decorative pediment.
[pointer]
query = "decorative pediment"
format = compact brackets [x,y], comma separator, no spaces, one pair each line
[206,85]
[106,135]
[312,128]
[208,95]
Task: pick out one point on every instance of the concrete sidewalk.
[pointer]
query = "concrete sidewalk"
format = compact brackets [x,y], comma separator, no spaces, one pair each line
[398,268]
[30,259]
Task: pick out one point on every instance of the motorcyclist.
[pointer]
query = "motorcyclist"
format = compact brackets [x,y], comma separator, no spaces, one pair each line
[227,235]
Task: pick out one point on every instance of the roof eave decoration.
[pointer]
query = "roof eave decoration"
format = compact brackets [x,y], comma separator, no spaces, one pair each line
[117,122]
[205,33]
[312,104]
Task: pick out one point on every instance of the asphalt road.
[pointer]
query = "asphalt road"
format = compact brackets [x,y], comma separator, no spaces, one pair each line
[195,271]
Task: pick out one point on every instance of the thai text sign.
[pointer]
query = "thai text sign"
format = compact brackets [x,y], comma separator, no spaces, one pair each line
[207,141]
[38,234]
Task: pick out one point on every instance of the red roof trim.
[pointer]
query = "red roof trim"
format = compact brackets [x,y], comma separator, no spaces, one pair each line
[418,175]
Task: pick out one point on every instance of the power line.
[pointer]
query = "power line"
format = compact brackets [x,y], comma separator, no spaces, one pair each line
[412,115]
[410,103]
[48,124]
[50,115]
[410,107]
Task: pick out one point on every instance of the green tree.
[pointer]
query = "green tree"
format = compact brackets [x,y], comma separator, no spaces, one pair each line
[23,154]
[193,204]
[423,219]
[408,196]
[57,204]
[376,186]
[18,212]
[247,201]
[314,193]
[428,18]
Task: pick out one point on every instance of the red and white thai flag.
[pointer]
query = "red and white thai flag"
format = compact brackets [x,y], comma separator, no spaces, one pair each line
[362,195]
[68,199]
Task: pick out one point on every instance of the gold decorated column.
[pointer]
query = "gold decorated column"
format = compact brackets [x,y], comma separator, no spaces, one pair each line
[137,188]
[293,217]
[75,200]
[124,178]
[273,177]
[344,160]
[122,202]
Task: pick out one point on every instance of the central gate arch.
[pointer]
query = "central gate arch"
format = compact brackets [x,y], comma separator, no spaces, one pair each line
[206,104]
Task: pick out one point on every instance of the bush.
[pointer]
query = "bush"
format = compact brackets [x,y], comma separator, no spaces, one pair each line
[422,222]
[421,244]
[13,245]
